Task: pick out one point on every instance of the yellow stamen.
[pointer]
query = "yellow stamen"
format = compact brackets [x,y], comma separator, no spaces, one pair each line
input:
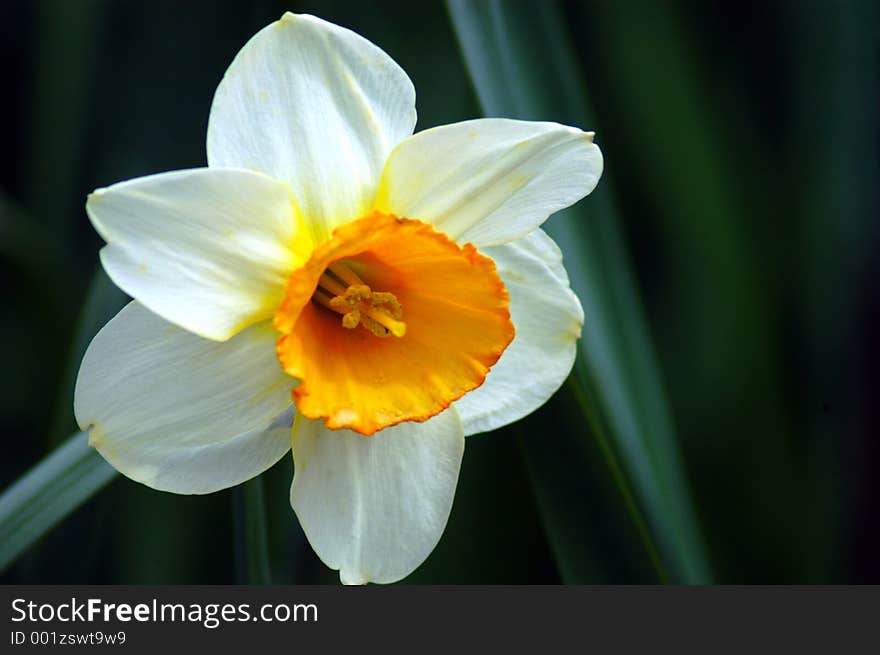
[331,285]
[397,328]
[378,312]
[323,299]
[344,273]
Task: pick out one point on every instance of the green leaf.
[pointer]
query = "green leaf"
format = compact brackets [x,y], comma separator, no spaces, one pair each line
[594,527]
[47,493]
[522,63]
[251,537]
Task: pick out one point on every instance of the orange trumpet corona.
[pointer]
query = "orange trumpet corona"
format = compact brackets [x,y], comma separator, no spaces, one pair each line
[390,321]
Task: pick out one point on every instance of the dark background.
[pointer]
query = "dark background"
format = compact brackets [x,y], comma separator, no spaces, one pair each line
[741,145]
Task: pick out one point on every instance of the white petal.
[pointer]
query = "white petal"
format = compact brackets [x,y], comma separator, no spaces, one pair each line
[548,319]
[491,180]
[209,250]
[317,106]
[375,507]
[181,413]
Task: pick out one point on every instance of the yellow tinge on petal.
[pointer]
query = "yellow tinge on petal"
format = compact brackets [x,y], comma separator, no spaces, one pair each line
[390,321]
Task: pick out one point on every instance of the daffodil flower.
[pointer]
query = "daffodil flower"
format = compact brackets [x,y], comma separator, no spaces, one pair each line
[335,283]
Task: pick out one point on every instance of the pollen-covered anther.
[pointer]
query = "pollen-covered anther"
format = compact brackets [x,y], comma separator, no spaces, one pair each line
[379,312]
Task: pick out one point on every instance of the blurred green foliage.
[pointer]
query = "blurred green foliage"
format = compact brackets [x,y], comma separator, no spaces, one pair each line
[741,149]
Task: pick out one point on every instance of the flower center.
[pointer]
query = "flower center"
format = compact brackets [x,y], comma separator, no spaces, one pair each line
[341,290]
[360,284]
